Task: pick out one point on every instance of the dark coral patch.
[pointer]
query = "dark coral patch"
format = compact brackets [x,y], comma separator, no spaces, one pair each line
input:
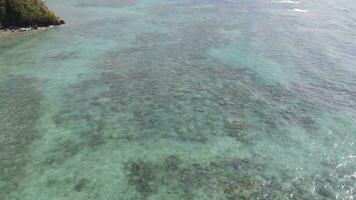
[142,176]
[228,179]
[20,108]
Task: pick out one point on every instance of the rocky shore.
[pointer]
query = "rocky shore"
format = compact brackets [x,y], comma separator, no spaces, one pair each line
[25,29]
[6,32]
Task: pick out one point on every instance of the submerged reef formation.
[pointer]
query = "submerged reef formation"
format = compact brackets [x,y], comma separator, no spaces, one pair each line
[148,109]
[230,179]
[26,13]
[192,100]
[20,111]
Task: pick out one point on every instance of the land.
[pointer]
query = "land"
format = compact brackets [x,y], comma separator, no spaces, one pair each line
[25,15]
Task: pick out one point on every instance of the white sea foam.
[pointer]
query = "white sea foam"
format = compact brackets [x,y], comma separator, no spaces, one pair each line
[290,2]
[300,10]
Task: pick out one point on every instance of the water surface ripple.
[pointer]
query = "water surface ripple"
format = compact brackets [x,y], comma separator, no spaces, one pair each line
[181,99]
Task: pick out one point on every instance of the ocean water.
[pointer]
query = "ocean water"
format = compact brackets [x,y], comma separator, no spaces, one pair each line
[181,99]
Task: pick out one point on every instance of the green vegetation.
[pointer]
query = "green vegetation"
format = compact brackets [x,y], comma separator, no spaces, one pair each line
[25,13]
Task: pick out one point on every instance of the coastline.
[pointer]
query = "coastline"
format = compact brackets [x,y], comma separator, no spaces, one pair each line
[9,31]
[4,33]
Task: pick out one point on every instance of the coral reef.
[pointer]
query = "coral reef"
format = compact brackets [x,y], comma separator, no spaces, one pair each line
[19,112]
[223,179]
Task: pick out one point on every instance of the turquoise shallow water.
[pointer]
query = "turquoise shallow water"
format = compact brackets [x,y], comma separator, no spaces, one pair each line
[181,99]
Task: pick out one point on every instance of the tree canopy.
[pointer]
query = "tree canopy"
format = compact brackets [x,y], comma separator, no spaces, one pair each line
[22,13]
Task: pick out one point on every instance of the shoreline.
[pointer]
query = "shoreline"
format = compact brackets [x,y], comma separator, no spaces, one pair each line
[8,31]
[26,29]
[4,33]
